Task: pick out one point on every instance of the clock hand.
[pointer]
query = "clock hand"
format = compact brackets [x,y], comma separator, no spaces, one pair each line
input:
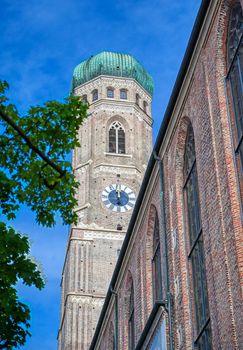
[118,191]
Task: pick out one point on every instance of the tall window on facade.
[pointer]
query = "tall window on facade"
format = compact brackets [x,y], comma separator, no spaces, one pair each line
[117,138]
[235,80]
[95,95]
[202,336]
[156,262]
[110,92]
[123,94]
[131,321]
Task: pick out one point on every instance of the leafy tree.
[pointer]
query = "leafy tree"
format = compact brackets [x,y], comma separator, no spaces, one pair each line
[34,171]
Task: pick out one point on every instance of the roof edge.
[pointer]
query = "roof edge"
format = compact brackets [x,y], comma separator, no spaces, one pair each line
[167,115]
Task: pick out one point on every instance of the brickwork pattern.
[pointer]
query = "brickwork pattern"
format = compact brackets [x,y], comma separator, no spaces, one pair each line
[205,107]
[95,242]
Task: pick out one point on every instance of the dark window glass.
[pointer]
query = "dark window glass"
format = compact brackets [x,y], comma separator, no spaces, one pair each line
[235,81]
[117,138]
[95,95]
[131,321]
[112,140]
[137,99]
[145,105]
[110,93]
[121,141]
[196,249]
[123,94]
[114,341]
[156,263]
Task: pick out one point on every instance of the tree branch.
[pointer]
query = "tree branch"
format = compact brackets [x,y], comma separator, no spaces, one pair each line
[30,144]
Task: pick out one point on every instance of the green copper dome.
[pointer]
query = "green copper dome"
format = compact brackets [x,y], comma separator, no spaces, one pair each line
[114,64]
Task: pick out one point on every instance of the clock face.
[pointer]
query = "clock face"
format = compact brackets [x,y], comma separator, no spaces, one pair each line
[118,198]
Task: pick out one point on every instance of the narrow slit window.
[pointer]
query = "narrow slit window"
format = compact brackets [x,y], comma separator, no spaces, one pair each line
[145,106]
[156,262]
[131,321]
[137,99]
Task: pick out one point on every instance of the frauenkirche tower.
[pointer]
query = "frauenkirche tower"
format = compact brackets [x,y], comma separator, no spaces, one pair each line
[116,142]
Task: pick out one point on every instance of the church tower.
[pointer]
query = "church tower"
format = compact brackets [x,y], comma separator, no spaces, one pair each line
[116,142]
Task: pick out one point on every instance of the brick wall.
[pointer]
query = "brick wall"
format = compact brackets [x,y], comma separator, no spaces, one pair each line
[205,107]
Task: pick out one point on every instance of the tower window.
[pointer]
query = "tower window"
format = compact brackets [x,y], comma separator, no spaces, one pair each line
[84,98]
[123,94]
[196,246]
[145,106]
[235,85]
[95,95]
[156,263]
[110,92]
[117,138]
[137,99]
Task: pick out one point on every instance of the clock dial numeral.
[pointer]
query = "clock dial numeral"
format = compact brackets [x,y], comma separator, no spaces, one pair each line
[130,204]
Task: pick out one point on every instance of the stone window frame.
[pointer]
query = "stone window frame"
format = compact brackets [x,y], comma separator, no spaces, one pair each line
[145,106]
[123,94]
[111,90]
[120,148]
[234,85]
[95,95]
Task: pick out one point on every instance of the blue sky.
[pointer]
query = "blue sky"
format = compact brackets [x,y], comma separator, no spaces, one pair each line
[41,43]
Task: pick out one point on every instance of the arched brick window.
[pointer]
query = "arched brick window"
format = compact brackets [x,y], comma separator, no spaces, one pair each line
[156,262]
[235,84]
[202,335]
[117,138]
[131,320]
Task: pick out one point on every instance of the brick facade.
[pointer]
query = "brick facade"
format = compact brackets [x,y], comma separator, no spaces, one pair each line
[201,101]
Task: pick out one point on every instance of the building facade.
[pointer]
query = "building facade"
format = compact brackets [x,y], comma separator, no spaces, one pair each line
[116,141]
[178,281]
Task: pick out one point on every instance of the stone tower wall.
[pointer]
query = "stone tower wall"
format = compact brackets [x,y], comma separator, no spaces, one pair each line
[95,242]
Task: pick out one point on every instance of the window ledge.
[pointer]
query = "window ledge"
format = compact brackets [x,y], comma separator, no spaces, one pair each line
[124,155]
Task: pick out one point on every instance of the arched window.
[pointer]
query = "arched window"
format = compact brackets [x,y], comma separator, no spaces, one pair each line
[84,98]
[123,94]
[145,106]
[95,95]
[196,250]
[117,138]
[235,79]
[156,262]
[110,92]
[131,321]
[137,99]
